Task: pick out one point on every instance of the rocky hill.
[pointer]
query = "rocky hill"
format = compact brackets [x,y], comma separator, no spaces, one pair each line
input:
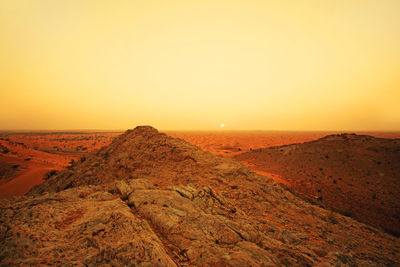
[150,200]
[356,175]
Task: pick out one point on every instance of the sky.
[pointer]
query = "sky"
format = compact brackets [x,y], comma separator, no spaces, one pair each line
[198,65]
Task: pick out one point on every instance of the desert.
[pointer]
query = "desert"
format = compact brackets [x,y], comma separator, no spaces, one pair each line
[200,133]
[356,175]
[26,158]
[191,207]
[39,153]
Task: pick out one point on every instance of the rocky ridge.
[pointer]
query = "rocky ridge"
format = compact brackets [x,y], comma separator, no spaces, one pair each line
[356,175]
[150,200]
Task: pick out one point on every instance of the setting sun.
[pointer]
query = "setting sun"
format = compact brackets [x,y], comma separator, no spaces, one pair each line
[200,133]
[272,65]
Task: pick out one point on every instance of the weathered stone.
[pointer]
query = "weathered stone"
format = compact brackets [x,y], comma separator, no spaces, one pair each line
[181,206]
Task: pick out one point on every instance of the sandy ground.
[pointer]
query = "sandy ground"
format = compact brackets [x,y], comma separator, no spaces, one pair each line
[37,153]
[26,158]
[180,203]
[356,175]
[276,177]
[231,143]
[25,180]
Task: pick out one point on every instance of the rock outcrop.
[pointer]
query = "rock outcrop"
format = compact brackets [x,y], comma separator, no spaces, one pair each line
[150,200]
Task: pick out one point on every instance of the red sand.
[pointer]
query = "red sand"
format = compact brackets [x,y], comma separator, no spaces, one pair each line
[40,152]
[53,151]
[230,143]
[24,181]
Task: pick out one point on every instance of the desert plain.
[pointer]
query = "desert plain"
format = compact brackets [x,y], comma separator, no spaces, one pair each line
[199,133]
[27,157]
[222,198]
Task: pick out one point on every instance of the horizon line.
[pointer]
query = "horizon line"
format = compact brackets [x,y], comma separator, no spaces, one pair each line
[186,130]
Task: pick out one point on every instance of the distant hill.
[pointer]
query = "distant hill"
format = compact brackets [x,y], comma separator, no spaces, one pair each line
[151,200]
[356,175]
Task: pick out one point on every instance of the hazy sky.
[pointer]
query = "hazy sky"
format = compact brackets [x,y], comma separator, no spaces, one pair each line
[273,65]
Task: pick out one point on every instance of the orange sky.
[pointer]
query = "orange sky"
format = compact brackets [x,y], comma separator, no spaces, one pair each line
[186,65]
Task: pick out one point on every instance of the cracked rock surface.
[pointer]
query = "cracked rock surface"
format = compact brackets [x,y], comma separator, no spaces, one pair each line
[150,200]
[77,226]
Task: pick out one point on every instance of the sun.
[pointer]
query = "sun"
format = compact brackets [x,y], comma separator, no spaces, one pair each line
[222,125]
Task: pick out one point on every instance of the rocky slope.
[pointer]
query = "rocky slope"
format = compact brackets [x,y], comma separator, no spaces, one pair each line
[357,175]
[150,200]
